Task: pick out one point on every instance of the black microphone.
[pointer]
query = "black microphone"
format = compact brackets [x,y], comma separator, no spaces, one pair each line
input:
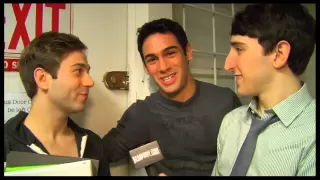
[145,155]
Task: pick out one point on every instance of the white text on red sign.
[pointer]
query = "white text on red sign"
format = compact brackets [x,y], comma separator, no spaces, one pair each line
[11,65]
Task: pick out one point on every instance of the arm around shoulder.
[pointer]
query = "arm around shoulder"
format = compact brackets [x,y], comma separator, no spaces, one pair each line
[130,132]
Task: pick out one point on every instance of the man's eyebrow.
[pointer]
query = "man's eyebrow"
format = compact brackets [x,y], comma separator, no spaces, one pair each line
[170,47]
[83,65]
[149,55]
[166,49]
[237,43]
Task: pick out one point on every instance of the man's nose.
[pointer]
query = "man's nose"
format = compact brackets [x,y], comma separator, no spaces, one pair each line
[88,81]
[163,65]
[229,64]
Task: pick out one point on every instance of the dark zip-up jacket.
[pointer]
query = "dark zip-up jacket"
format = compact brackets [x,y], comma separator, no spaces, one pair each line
[17,137]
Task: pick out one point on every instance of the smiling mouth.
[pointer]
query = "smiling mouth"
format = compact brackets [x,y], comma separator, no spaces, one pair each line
[84,96]
[238,77]
[167,80]
[168,77]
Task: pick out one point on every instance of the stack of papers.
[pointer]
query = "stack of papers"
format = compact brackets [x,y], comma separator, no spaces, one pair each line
[32,164]
[81,168]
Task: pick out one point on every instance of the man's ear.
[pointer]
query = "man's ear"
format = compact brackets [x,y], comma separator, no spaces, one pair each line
[282,51]
[189,52]
[42,78]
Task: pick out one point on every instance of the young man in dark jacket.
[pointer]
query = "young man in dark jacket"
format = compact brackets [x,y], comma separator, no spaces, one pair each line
[184,116]
[54,71]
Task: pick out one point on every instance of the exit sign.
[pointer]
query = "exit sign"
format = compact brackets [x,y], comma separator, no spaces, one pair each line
[25,21]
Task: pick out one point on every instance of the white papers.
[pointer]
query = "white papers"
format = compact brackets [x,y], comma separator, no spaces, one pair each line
[79,168]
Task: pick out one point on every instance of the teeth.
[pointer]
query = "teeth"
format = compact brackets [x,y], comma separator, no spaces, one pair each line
[167,78]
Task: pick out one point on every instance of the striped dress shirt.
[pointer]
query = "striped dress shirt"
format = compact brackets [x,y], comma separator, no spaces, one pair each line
[284,148]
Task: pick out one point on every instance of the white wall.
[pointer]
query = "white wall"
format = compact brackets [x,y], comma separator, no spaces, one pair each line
[103,28]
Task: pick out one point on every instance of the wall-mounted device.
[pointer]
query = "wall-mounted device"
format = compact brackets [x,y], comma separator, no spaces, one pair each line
[116,80]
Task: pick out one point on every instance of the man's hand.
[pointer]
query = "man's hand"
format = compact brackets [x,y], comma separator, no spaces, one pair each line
[162,174]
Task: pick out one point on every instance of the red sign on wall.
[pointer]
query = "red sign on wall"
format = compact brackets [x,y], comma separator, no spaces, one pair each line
[25,21]
[11,65]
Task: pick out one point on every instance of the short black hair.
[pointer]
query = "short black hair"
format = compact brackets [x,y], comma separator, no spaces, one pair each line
[271,23]
[162,25]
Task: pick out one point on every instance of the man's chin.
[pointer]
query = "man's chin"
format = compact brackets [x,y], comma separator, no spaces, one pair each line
[244,93]
[79,108]
[169,91]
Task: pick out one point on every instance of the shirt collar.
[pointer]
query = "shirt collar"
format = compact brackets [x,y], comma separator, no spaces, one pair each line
[171,104]
[253,110]
[30,138]
[253,106]
[80,135]
[288,109]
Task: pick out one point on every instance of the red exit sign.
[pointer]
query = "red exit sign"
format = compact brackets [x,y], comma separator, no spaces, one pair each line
[11,65]
[25,21]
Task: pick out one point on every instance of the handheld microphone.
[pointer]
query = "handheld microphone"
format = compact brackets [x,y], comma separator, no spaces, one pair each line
[145,155]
